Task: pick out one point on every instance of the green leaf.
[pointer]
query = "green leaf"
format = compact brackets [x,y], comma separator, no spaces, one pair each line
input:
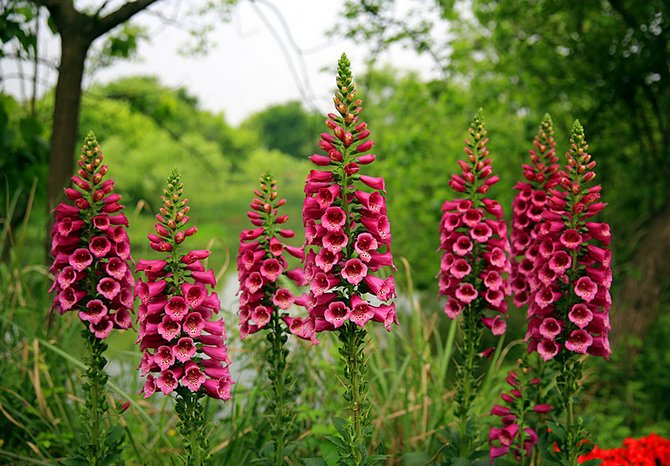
[313,462]
[341,425]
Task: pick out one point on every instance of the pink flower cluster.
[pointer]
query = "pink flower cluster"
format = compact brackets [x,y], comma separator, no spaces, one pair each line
[570,284]
[260,263]
[181,342]
[473,237]
[543,174]
[347,232]
[91,249]
[514,412]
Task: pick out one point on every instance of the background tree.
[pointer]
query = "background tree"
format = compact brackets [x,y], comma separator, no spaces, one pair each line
[287,127]
[77,29]
[603,62]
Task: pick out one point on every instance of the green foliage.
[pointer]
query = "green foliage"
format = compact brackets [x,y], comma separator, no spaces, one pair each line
[192,426]
[353,433]
[17,28]
[287,128]
[281,412]
[100,442]
[23,162]
[120,44]
[419,131]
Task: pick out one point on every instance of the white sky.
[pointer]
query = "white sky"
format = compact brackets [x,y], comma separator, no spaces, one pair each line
[246,70]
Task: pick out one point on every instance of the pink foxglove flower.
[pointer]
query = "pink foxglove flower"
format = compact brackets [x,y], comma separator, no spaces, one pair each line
[261,262]
[570,282]
[184,346]
[91,249]
[347,251]
[347,231]
[473,239]
[542,175]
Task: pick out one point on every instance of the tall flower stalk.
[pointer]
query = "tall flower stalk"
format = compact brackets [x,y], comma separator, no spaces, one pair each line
[91,252]
[568,313]
[474,270]
[347,245]
[543,174]
[264,302]
[181,342]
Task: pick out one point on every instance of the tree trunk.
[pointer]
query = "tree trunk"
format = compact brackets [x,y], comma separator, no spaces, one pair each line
[77,31]
[66,114]
[74,48]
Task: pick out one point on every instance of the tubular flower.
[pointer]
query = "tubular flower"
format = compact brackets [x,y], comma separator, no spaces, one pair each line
[261,262]
[570,284]
[473,239]
[517,416]
[91,249]
[180,341]
[347,231]
[543,174]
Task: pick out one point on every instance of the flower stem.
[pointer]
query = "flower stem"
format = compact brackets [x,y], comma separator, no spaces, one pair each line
[192,426]
[353,357]
[96,404]
[568,384]
[467,383]
[279,379]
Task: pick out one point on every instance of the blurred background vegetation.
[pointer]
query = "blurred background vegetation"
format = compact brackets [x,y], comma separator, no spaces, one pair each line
[604,62]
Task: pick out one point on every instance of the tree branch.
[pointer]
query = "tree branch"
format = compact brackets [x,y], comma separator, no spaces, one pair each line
[60,11]
[119,16]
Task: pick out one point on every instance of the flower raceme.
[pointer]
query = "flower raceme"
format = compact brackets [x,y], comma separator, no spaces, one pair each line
[473,239]
[261,262]
[347,232]
[182,344]
[542,175]
[91,249]
[570,284]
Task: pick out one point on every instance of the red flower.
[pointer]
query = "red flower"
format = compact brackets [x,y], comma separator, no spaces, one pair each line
[648,451]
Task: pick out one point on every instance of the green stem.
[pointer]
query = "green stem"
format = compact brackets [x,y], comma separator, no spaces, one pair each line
[96,404]
[192,426]
[570,375]
[352,355]
[467,383]
[278,374]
